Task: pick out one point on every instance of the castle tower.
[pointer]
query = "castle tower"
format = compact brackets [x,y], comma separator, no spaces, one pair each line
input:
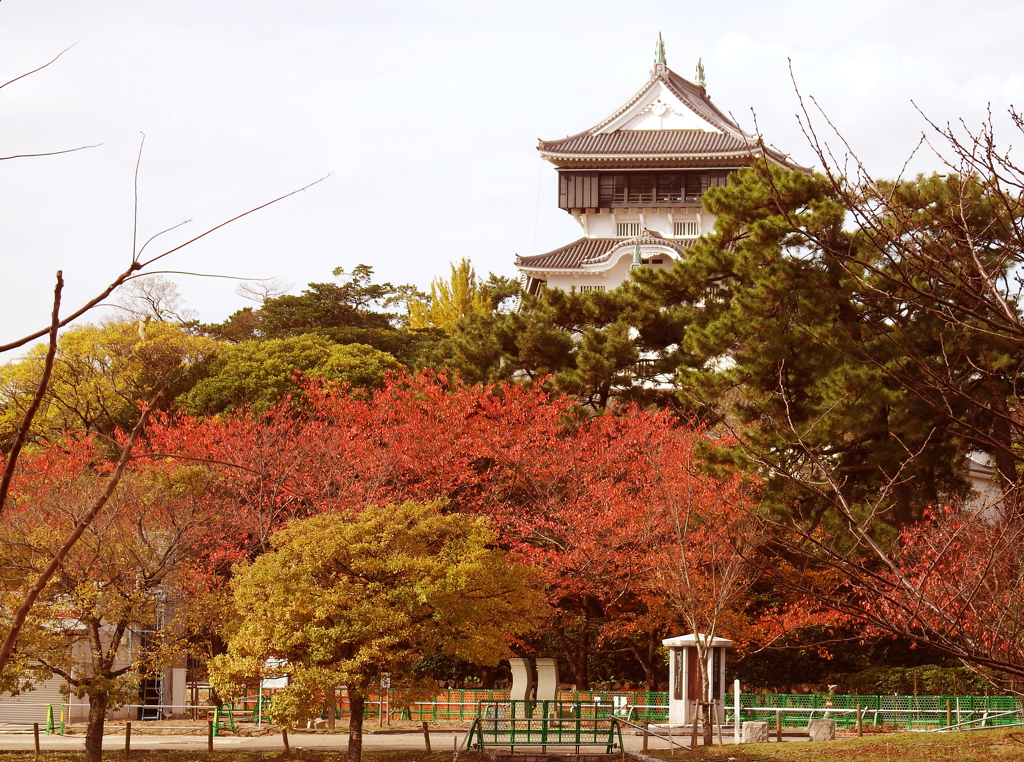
[634,182]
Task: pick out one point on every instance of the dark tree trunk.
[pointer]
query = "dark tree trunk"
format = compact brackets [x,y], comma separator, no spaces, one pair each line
[902,511]
[487,678]
[217,648]
[94,730]
[1006,463]
[648,658]
[356,704]
[709,724]
[576,655]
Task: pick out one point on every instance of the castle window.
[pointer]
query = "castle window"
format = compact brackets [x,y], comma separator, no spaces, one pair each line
[585,289]
[685,230]
[695,184]
[628,229]
[642,189]
[613,190]
[670,187]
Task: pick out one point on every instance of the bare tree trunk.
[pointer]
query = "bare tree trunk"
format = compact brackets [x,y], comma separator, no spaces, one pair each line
[356,704]
[94,729]
[705,685]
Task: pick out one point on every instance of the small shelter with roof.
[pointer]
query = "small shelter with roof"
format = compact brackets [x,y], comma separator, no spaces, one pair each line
[634,182]
[684,681]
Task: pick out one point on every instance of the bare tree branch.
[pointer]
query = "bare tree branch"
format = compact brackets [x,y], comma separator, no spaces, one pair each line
[48,153]
[37,399]
[136,266]
[22,76]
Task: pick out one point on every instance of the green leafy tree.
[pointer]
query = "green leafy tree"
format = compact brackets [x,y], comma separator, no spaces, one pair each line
[783,353]
[598,347]
[100,376]
[258,374]
[353,311]
[344,599]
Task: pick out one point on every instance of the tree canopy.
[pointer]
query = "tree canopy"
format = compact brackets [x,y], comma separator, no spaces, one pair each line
[342,599]
[124,575]
[101,374]
[257,374]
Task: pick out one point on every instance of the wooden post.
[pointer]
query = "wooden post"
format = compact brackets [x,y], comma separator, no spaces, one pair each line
[35,735]
[718,718]
[284,737]
[778,727]
[860,721]
[693,719]
[647,724]
[426,737]
[671,746]
[332,707]
[127,739]
[949,713]
[209,736]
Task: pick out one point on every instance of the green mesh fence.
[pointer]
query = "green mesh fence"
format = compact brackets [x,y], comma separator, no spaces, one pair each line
[797,710]
[910,712]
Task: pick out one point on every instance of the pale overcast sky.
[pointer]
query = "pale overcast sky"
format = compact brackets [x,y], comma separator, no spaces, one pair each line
[426,114]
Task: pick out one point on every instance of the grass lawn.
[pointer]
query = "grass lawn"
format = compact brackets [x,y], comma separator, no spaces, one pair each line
[975,746]
[978,746]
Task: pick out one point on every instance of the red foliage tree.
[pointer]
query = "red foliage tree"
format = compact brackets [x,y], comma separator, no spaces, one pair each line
[951,583]
[103,620]
[590,501]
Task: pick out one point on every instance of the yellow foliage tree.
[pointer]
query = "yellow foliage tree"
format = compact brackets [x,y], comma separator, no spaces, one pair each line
[449,300]
[346,599]
[100,376]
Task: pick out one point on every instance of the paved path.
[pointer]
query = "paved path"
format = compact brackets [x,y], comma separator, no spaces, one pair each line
[439,741]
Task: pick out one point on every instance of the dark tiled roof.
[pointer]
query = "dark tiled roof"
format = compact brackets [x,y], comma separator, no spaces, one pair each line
[594,250]
[731,142]
[648,142]
[571,256]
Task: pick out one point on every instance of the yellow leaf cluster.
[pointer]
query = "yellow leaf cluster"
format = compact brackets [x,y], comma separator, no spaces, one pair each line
[449,300]
[343,599]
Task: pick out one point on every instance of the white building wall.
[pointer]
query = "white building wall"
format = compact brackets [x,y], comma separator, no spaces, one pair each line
[604,224]
[31,706]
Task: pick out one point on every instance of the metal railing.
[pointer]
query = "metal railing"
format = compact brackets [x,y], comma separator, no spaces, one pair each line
[544,723]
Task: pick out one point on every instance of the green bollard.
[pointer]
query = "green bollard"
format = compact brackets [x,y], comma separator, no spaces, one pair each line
[216,722]
[49,719]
